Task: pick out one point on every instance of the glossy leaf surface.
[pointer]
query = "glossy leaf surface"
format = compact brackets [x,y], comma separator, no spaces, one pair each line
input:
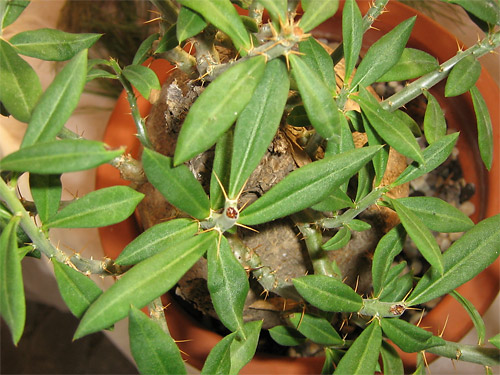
[143,283]
[316,329]
[407,336]
[153,350]
[484,127]
[383,54]
[434,121]
[318,101]
[227,283]
[258,123]
[420,234]
[306,186]
[177,184]
[218,361]
[243,350]
[352,35]
[145,49]
[463,260]
[339,240]
[328,293]
[218,107]
[286,336]
[97,209]
[315,12]
[58,102]
[46,191]
[52,44]
[12,302]
[316,57]
[156,239]
[56,157]
[189,23]
[77,290]
[437,214]
[21,86]
[142,78]
[413,63]
[361,358]
[462,76]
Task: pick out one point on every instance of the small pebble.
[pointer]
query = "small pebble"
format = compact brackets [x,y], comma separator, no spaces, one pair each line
[455,236]
[467,208]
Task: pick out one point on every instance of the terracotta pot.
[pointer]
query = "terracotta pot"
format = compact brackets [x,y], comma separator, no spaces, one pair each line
[428,36]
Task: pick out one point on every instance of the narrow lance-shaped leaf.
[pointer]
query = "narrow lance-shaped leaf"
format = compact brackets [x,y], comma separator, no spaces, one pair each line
[335,201]
[362,356]
[391,361]
[218,107]
[352,35]
[462,76]
[434,121]
[475,316]
[318,101]
[218,361]
[223,15]
[306,186]
[317,329]
[57,102]
[339,240]
[277,10]
[413,63]
[243,350]
[328,293]
[77,290]
[55,157]
[52,44]
[258,123]
[144,50]
[21,86]
[154,351]
[97,209]
[407,336]
[228,284]
[221,169]
[189,23]
[486,10]
[420,234]
[143,79]
[12,302]
[143,283]
[381,158]
[46,191]
[317,11]
[383,54]
[484,127]
[286,336]
[495,340]
[463,260]
[316,57]
[177,184]
[155,239]
[12,10]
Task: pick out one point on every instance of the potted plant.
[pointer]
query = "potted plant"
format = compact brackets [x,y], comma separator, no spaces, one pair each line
[259,73]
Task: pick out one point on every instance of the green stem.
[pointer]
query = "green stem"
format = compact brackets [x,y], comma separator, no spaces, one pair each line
[375,307]
[157,314]
[468,353]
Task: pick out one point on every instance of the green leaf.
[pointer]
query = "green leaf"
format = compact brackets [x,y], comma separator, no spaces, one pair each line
[218,361]
[434,155]
[57,157]
[391,361]
[437,214]
[21,86]
[168,41]
[189,24]
[484,127]
[177,184]
[317,329]
[434,121]
[154,351]
[343,143]
[383,54]
[277,10]
[12,10]
[362,356]
[358,225]
[335,201]
[57,102]
[286,336]
[156,239]
[228,284]
[99,73]
[223,15]
[352,35]
[413,63]
[46,191]
[316,58]
[77,290]
[473,314]
[410,122]
[408,337]
[328,293]
[218,107]
[258,123]
[52,44]
[339,240]
[143,283]
[420,234]
[389,127]
[306,186]
[462,76]
[463,260]
[97,209]
[315,12]
[142,78]
[144,50]
[221,170]
[486,10]
[242,351]
[495,340]
[395,289]
[12,302]
[318,101]
[298,116]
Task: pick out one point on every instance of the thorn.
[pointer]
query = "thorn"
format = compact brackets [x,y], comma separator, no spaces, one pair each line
[153,20]
[444,327]
[221,186]
[247,227]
